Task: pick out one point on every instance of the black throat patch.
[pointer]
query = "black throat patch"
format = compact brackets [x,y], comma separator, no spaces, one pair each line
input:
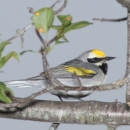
[104,68]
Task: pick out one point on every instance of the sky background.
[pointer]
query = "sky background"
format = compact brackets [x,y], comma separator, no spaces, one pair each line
[109,37]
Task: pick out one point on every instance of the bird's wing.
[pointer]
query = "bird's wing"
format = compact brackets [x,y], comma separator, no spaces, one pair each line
[81,69]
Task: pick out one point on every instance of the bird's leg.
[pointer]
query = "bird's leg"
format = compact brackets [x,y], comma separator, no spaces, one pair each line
[60,98]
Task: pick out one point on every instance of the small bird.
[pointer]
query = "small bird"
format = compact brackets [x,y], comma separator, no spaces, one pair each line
[90,68]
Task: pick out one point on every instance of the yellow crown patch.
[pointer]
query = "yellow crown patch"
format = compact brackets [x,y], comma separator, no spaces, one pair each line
[99,53]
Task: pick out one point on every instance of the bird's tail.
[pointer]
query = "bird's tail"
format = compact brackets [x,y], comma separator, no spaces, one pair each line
[37,81]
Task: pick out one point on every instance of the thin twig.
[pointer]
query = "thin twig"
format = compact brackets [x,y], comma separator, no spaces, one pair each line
[45,67]
[110,20]
[49,71]
[32,96]
[43,52]
[19,103]
[58,1]
[60,9]
[52,40]
[23,30]
[31,10]
[37,94]
[40,37]
[48,74]
[115,85]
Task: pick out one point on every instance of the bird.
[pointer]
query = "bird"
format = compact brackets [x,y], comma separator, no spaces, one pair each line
[90,69]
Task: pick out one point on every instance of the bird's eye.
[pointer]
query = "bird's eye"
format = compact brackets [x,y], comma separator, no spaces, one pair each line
[94,60]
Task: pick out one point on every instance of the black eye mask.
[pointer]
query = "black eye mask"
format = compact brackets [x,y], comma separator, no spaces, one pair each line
[95,60]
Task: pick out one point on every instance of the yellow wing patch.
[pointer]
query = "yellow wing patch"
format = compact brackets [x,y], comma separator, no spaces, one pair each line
[79,71]
[99,53]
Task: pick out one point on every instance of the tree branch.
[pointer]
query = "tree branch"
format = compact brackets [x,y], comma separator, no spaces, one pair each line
[22,31]
[86,112]
[60,9]
[39,36]
[52,40]
[111,20]
[128,61]
[115,85]
[20,103]
[31,10]
[58,1]
[48,74]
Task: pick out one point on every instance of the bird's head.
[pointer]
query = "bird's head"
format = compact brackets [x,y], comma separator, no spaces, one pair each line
[95,56]
[98,57]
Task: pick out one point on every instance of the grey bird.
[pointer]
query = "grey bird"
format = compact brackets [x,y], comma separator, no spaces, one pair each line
[90,67]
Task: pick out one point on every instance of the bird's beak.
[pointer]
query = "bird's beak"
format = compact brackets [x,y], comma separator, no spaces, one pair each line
[110,58]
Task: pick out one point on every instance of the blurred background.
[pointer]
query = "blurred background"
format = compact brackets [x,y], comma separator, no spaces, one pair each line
[106,36]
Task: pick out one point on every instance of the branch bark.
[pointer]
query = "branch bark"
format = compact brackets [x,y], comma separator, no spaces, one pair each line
[128,61]
[83,112]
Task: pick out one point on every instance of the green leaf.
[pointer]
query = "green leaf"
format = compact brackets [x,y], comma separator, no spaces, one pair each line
[65,19]
[3,97]
[59,42]
[64,38]
[43,19]
[72,26]
[0,56]
[2,86]
[23,52]
[76,25]
[5,59]
[2,46]
[56,27]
